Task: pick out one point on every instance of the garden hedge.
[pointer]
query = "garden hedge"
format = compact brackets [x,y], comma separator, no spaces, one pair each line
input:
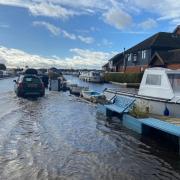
[124,77]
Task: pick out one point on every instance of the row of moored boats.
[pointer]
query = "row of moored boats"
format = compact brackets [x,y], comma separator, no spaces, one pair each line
[159,92]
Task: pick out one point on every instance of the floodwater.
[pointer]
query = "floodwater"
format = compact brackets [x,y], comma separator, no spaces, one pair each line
[93,86]
[62,137]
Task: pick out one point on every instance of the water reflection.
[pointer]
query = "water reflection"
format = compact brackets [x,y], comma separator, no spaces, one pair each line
[94,86]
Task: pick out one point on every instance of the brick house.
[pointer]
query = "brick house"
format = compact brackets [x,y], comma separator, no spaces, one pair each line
[162,48]
[168,59]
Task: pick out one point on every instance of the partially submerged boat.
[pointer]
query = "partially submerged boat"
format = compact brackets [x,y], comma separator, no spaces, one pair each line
[76,90]
[93,96]
[159,92]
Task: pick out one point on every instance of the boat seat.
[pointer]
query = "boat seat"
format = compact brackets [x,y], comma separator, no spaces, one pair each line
[121,104]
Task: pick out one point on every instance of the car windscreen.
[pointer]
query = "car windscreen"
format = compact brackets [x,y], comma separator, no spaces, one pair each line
[32,80]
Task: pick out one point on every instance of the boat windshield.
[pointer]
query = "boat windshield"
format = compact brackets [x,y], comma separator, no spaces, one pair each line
[175,82]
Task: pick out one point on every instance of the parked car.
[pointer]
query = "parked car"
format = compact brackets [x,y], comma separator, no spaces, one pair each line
[29,85]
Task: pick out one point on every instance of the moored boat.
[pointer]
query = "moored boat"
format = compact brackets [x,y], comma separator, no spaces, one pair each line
[91,76]
[159,92]
[76,90]
[93,96]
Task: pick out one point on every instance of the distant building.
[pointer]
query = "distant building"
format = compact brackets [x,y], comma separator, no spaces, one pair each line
[161,49]
[106,67]
[55,70]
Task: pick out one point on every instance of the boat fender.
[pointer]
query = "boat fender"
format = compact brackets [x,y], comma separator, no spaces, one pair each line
[166,111]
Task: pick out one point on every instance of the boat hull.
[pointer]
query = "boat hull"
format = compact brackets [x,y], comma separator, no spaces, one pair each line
[90,96]
[153,106]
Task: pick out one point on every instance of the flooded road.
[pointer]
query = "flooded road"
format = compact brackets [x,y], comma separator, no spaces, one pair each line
[93,86]
[62,137]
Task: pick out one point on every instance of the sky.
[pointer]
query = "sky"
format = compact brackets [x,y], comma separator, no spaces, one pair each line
[80,33]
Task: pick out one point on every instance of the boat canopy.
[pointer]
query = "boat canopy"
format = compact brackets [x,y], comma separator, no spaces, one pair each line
[160,83]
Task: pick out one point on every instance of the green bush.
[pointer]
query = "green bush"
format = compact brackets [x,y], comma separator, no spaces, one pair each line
[124,77]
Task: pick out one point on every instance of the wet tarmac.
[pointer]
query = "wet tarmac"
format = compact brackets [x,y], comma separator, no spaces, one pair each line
[62,137]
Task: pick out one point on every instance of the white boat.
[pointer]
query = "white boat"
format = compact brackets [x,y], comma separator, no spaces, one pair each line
[76,90]
[93,96]
[91,76]
[69,85]
[159,92]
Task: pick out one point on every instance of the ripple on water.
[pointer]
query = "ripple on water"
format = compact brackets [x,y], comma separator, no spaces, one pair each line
[60,137]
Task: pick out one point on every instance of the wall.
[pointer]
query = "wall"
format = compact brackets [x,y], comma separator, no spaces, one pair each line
[173,66]
[135,69]
[140,61]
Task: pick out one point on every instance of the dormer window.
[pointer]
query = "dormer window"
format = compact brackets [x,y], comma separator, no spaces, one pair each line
[144,54]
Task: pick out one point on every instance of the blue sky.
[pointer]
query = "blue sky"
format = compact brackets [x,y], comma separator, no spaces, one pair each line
[78,34]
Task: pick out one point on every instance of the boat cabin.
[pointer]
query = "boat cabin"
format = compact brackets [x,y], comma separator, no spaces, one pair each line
[161,83]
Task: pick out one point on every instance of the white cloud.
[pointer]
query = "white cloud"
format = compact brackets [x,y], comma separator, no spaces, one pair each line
[50,10]
[119,14]
[63,9]
[148,24]
[53,29]
[87,58]
[2,60]
[165,10]
[117,18]
[69,35]
[87,40]
[80,59]
[56,31]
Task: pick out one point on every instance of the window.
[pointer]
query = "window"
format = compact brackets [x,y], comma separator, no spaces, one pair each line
[153,79]
[175,81]
[129,57]
[110,64]
[135,58]
[144,54]
[31,80]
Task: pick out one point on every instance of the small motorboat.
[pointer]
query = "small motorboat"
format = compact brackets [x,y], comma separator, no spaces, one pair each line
[159,92]
[76,90]
[93,96]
